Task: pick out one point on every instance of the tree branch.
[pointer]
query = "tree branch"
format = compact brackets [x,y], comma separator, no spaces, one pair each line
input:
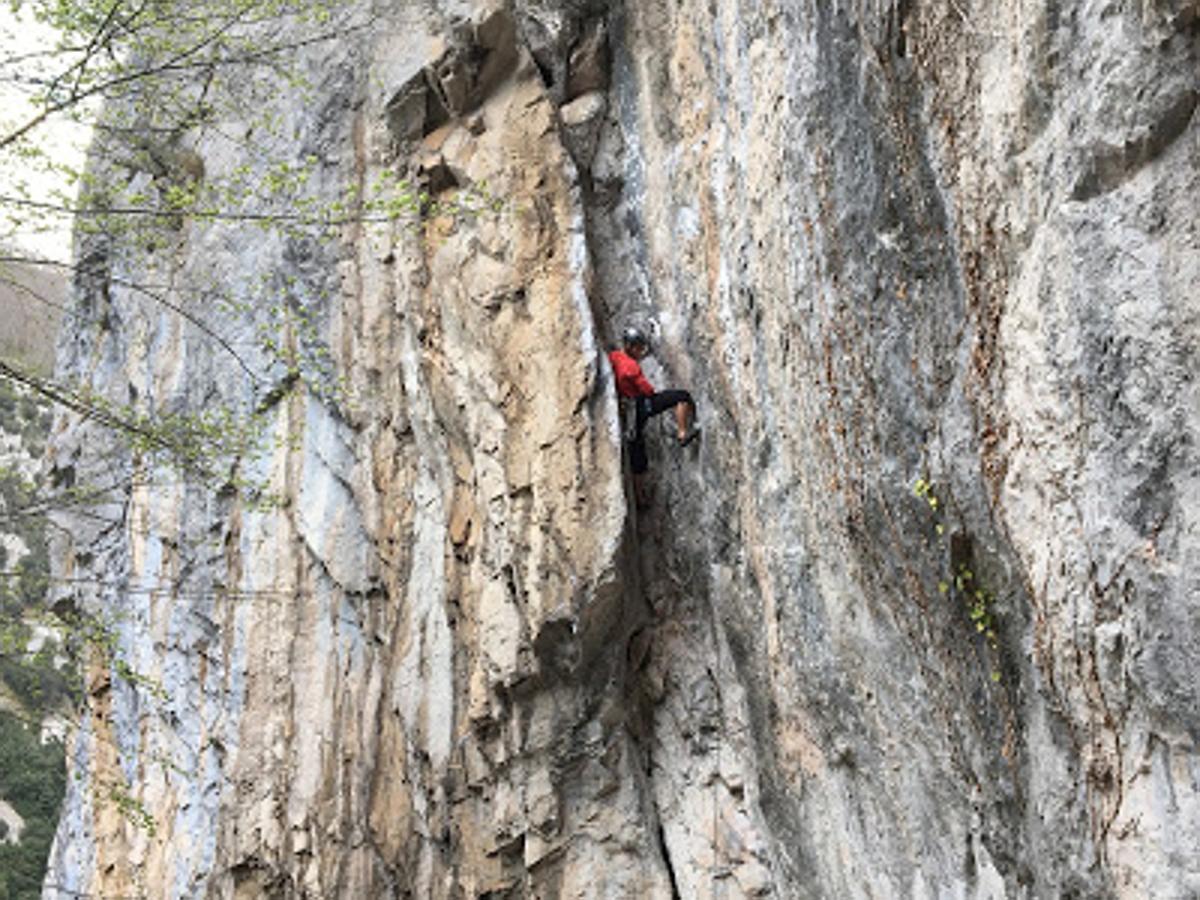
[157,298]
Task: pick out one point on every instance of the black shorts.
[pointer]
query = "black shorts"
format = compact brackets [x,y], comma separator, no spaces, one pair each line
[647,408]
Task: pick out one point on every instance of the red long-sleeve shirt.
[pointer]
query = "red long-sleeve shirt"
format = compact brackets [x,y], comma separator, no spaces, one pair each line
[630,380]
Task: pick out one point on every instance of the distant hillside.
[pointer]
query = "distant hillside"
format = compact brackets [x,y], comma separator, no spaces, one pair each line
[31,298]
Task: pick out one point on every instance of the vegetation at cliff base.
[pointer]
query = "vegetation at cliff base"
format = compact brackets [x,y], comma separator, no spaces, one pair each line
[32,781]
[36,679]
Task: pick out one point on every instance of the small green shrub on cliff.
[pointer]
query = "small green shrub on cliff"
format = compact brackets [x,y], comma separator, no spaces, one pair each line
[961,581]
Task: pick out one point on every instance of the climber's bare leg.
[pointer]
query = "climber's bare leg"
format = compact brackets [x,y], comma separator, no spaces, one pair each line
[684,413]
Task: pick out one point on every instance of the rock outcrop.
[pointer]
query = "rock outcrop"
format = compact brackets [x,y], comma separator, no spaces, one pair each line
[916,618]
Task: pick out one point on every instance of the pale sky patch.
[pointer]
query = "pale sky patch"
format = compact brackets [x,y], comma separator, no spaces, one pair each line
[26,61]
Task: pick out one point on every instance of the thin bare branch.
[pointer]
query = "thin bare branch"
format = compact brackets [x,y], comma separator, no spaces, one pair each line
[177,64]
[65,397]
[157,298]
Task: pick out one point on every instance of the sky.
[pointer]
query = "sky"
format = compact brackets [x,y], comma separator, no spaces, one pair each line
[24,57]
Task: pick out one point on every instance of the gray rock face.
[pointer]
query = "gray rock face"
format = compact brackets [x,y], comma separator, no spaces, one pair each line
[917,617]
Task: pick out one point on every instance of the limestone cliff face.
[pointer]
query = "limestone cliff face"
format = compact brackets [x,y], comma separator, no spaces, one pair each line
[917,618]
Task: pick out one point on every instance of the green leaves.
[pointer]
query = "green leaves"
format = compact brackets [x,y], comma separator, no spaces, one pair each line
[979,602]
[167,72]
[977,599]
[130,807]
[924,489]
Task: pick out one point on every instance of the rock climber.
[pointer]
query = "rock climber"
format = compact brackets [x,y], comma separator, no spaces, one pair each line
[632,384]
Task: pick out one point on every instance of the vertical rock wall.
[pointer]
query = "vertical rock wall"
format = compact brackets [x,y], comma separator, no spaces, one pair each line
[892,245]
[914,619]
